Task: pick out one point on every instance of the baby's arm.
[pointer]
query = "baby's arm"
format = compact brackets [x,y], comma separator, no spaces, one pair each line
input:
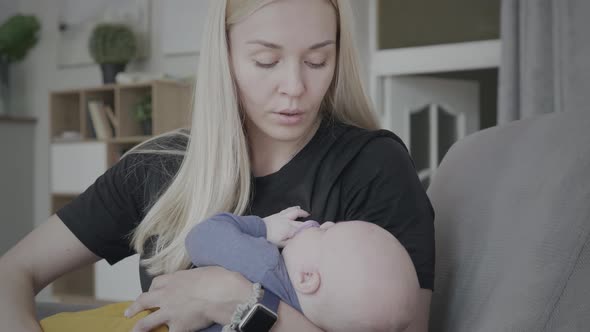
[236,243]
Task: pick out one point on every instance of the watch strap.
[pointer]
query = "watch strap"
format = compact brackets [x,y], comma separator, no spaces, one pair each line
[242,309]
[270,300]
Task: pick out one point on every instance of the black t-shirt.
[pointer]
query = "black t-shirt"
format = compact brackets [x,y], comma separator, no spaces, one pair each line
[343,173]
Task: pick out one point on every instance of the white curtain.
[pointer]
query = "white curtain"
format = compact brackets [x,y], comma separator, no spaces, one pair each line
[545,57]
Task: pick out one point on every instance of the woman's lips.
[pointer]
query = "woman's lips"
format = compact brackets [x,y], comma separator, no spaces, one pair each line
[289,118]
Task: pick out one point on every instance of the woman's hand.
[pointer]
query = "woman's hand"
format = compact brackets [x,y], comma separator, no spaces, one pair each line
[191,300]
[282,226]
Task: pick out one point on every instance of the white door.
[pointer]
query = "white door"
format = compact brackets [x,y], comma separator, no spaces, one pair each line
[429,115]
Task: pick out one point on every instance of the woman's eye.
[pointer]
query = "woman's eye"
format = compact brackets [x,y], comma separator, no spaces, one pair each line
[266,65]
[316,65]
[272,64]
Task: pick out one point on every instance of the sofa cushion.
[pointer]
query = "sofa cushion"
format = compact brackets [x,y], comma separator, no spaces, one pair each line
[46,309]
[512,226]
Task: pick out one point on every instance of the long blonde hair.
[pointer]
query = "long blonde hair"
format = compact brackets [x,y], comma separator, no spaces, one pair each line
[215,175]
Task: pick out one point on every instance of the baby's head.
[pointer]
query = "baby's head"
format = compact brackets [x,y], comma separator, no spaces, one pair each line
[352,276]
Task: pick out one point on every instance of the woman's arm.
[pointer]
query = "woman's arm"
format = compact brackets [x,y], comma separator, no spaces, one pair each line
[194,299]
[420,323]
[16,298]
[289,318]
[46,253]
[292,320]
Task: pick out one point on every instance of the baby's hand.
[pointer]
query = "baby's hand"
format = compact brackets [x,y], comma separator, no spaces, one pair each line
[282,226]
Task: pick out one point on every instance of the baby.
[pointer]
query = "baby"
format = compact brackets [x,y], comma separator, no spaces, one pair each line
[346,276]
[349,276]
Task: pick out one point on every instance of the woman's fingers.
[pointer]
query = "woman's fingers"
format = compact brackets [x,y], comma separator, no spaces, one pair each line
[158,282]
[296,212]
[144,301]
[150,322]
[290,209]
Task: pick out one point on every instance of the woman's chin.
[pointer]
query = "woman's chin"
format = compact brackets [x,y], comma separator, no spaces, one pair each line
[286,133]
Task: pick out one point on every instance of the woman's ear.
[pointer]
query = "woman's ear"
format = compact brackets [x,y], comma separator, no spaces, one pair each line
[307,282]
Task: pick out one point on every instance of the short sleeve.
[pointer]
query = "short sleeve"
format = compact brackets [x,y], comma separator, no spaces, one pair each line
[105,214]
[382,187]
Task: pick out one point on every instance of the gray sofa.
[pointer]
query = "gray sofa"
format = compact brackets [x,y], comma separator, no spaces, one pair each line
[512,227]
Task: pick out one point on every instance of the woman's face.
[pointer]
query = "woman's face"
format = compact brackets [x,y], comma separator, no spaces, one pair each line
[283,58]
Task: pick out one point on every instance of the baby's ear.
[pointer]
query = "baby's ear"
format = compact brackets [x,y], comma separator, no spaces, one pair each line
[307,282]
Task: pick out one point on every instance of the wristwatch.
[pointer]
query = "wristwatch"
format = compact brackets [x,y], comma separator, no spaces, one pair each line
[262,316]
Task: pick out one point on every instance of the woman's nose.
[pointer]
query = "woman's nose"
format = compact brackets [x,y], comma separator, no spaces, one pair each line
[292,84]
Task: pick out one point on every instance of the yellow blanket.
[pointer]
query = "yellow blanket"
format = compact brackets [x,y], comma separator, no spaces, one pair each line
[107,318]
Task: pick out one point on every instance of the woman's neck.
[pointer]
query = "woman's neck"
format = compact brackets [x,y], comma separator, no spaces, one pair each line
[268,155]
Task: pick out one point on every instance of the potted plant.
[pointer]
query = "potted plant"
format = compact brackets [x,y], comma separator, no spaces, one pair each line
[142,112]
[112,46]
[18,34]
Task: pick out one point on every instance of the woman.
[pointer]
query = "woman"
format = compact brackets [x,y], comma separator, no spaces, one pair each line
[280,119]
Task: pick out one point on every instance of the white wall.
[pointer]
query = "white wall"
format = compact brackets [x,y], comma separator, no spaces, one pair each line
[361,17]
[7,8]
[35,77]
[16,184]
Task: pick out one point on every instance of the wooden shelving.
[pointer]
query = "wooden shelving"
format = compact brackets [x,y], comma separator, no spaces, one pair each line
[171,103]
[78,157]
[17,118]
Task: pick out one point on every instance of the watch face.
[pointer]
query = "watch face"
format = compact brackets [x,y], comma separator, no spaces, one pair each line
[259,319]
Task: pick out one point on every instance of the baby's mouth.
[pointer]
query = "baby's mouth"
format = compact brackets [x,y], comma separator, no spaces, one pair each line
[306,225]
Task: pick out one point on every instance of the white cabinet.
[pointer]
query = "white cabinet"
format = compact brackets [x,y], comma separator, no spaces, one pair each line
[429,114]
[76,165]
[436,84]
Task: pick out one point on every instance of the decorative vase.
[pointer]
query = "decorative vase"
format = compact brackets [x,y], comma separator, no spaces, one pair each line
[4,87]
[110,71]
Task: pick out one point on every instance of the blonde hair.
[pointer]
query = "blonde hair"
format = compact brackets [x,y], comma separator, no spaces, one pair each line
[215,175]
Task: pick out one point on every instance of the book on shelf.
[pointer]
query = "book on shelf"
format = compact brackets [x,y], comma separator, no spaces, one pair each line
[111,115]
[100,120]
[90,125]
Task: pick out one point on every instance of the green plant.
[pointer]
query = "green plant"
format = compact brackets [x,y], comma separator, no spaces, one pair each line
[18,35]
[143,109]
[112,43]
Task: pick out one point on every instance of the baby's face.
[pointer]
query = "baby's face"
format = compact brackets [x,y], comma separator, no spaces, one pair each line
[307,241]
[354,260]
